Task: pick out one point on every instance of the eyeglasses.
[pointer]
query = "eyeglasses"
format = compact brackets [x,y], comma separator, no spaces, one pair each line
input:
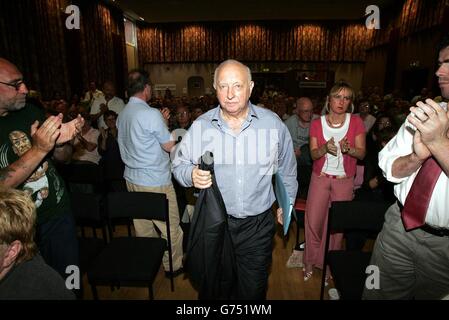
[184,113]
[339,97]
[16,85]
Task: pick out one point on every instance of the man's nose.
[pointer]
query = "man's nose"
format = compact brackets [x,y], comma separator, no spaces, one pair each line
[230,93]
[23,88]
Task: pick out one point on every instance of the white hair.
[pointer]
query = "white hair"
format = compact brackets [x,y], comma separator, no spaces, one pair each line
[231,61]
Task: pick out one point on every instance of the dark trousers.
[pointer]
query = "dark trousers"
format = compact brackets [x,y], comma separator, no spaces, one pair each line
[252,239]
[57,242]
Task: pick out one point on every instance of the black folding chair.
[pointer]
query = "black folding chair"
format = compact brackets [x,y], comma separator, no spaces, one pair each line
[348,267]
[87,211]
[133,261]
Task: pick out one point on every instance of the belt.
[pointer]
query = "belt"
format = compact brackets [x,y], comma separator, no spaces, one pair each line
[439,232]
[322,174]
[250,217]
[435,231]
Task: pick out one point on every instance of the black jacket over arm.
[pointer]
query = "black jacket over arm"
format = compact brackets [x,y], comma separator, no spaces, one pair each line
[210,258]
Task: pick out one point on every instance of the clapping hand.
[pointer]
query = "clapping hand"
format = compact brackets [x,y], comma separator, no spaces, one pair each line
[344,145]
[70,129]
[165,113]
[432,122]
[103,108]
[331,147]
[104,133]
[44,137]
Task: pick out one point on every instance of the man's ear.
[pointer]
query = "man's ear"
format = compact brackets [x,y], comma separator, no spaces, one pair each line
[251,86]
[12,252]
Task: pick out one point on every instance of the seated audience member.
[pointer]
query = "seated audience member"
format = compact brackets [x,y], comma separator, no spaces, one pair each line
[367,118]
[113,166]
[183,117]
[196,112]
[85,148]
[374,188]
[23,272]
[298,125]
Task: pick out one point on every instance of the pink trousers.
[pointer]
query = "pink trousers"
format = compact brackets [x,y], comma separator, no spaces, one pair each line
[322,191]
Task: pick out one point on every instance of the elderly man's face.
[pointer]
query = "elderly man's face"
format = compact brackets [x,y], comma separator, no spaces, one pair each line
[233,88]
[304,110]
[12,89]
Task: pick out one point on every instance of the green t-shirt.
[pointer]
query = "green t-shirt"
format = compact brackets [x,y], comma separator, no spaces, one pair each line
[45,185]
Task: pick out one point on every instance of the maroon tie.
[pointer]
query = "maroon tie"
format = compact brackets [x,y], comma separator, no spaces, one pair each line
[418,198]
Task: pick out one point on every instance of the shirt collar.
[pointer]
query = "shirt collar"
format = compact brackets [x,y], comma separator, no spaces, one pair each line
[137,100]
[251,114]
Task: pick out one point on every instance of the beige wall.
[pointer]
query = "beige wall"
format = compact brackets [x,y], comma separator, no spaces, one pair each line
[350,72]
[178,74]
[131,54]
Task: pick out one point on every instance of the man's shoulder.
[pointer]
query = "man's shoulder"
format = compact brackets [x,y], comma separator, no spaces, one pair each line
[266,114]
[293,119]
[208,116]
[118,101]
[316,122]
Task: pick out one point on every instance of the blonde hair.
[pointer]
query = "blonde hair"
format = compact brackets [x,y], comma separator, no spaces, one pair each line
[335,90]
[17,221]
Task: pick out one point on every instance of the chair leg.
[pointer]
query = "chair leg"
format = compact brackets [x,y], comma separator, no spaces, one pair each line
[297,232]
[94,292]
[129,229]
[103,232]
[172,283]
[150,292]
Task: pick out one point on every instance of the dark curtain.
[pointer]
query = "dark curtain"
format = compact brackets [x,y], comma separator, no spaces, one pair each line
[32,37]
[102,45]
[271,41]
[54,59]
[412,17]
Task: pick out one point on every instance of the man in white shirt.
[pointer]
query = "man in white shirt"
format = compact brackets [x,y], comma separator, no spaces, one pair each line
[414,264]
[105,102]
[92,94]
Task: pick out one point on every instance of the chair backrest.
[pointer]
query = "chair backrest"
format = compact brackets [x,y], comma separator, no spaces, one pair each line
[84,173]
[138,205]
[86,178]
[86,206]
[357,215]
[352,215]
